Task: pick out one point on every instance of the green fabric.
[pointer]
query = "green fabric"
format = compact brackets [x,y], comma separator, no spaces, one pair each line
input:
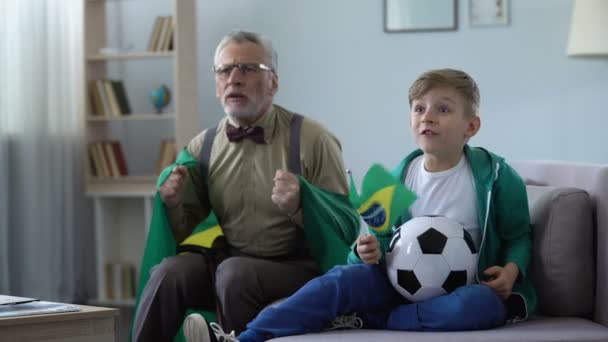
[330,220]
[161,243]
[331,224]
[504,217]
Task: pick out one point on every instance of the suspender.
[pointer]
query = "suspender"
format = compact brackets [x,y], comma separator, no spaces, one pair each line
[294,144]
[293,164]
[205,155]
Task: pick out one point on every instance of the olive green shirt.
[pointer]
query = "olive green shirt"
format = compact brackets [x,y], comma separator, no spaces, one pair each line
[241,179]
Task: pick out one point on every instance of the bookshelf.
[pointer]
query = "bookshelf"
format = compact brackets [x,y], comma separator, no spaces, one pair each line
[123,202]
[129,55]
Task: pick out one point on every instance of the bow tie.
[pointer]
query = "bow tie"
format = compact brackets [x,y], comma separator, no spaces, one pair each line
[255,133]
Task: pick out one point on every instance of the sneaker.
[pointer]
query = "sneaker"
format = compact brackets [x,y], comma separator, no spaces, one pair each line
[351,321]
[196,329]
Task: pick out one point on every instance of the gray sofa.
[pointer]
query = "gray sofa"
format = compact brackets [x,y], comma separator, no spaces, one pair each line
[569,210]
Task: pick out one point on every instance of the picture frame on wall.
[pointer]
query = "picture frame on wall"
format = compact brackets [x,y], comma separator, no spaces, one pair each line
[489,12]
[420,15]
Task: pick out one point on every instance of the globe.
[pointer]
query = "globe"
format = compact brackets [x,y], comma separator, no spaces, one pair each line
[160,98]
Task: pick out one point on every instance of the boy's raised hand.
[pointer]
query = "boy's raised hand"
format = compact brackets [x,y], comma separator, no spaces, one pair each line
[368,249]
[502,279]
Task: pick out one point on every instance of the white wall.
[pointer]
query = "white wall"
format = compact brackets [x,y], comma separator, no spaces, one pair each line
[337,66]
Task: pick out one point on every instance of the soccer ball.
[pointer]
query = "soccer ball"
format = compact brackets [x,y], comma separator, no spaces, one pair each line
[429,256]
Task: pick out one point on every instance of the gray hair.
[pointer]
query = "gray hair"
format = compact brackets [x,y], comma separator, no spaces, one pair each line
[239,36]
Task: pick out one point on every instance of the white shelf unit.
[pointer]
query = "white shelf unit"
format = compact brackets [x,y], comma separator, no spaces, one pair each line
[122,206]
[133,117]
[129,55]
[121,227]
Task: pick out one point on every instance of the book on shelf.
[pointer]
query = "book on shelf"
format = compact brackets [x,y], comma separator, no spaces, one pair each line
[168,42]
[114,109]
[101,167]
[161,38]
[120,281]
[105,104]
[96,100]
[108,152]
[120,158]
[108,98]
[107,159]
[167,154]
[155,33]
[121,97]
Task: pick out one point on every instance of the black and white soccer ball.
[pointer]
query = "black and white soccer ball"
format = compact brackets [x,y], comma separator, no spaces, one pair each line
[430,256]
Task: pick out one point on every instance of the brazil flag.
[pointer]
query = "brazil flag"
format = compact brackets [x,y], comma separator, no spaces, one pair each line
[383,199]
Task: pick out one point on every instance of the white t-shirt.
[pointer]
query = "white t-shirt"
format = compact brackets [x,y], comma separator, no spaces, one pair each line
[449,193]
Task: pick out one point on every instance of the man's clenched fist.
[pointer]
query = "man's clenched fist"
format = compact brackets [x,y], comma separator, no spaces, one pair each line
[286,191]
[173,188]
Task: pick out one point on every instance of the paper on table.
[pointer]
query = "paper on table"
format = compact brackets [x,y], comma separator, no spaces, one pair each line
[7,300]
[35,308]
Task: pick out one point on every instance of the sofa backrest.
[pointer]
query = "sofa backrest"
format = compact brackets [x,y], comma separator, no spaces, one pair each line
[593,178]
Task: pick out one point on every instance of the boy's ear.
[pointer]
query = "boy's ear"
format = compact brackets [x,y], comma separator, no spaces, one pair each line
[473,127]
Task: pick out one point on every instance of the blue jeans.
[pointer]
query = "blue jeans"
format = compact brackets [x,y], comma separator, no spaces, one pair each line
[366,289]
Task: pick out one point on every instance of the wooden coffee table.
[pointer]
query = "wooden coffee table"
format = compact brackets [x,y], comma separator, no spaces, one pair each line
[90,324]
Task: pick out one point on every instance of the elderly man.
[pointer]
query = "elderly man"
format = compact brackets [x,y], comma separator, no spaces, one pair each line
[245,180]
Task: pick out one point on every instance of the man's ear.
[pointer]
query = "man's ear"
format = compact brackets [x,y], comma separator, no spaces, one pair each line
[274,84]
[473,127]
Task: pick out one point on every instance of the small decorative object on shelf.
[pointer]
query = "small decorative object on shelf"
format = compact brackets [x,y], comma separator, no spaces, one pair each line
[160,98]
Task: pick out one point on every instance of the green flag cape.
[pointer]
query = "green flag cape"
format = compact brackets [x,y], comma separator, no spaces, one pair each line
[331,226]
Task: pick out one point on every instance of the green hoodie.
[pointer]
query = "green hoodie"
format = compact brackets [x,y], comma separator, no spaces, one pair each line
[503,216]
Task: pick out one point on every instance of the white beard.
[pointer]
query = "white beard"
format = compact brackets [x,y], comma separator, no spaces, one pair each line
[242,113]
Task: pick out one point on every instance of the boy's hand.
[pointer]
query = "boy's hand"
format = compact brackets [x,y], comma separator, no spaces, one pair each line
[286,191]
[502,279]
[368,249]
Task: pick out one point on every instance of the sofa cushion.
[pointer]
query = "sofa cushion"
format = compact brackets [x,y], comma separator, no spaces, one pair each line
[562,266]
[535,330]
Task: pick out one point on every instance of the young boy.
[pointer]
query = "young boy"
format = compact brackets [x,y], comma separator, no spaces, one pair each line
[469,185]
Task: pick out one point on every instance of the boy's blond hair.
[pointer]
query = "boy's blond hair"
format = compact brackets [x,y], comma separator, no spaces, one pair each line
[456,79]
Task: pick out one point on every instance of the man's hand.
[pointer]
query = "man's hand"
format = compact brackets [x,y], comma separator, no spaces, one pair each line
[502,279]
[172,189]
[368,249]
[286,191]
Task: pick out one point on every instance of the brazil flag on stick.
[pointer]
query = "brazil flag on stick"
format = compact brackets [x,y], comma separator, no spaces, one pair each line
[383,199]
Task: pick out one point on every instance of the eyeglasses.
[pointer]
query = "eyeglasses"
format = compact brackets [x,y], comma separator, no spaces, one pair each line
[224,70]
